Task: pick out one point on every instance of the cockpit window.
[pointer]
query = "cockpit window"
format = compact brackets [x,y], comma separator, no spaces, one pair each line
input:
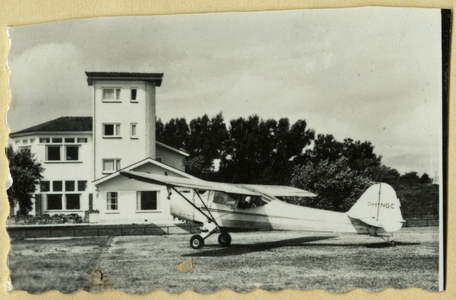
[250,202]
[225,199]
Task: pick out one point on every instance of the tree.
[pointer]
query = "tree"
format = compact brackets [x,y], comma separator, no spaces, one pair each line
[159,130]
[325,147]
[197,166]
[382,173]
[337,186]
[262,151]
[425,179]
[174,133]
[26,174]
[360,155]
[205,144]
[410,178]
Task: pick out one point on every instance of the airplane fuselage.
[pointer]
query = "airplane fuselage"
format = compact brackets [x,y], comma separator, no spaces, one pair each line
[272,215]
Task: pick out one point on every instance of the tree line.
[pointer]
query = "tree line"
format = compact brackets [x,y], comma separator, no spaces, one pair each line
[256,151]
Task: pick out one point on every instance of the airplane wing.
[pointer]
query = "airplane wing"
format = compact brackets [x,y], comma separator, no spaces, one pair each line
[279,190]
[193,183]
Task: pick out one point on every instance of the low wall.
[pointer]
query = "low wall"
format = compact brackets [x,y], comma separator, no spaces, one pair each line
[44,231]
[421,220]
[79,230]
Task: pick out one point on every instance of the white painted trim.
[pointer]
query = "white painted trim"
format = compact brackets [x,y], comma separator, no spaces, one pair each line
[140,163]
[172,149]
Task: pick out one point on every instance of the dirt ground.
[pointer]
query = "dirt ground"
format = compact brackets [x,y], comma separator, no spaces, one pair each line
[268,260]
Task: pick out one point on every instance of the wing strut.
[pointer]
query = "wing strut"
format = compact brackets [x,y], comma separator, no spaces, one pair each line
[211,218]
[211,226]
[205,206]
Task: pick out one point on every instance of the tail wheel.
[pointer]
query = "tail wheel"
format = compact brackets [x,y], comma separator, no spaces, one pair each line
[197,242]
[224,239]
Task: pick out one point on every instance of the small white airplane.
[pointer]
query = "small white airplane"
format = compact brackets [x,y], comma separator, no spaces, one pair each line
[223,207]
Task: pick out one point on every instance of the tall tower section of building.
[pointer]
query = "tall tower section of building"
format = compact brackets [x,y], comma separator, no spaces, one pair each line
[123,119]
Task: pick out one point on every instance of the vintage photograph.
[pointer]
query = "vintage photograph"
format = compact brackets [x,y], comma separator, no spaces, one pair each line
[299,149]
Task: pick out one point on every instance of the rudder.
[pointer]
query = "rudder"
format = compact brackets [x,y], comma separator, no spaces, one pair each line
[378,207]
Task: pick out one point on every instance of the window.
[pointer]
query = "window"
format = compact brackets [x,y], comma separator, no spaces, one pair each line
[111,130]
[24,141]
[57,186]
[146,200]
[133,95]
[69,186]
[18,141]
[225,199]
[32,141]
[133,134]
[72,201]
[45,186]
[54,153]
[111,165]
[72,152]
[54,202]
[82,185]
[67,140]
[63,196]
[111,94]
[111,200]
[250,202]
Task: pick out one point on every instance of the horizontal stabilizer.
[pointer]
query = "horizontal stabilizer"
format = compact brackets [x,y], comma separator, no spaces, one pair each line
[371,222]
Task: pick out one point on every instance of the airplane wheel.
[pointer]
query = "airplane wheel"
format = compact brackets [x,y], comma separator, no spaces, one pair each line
[224,239]
[197,242]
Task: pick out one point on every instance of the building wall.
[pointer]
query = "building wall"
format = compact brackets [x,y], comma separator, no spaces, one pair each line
[122,145]
[63,171]
[150,120]
[171,158]
[127,196]
[124,111]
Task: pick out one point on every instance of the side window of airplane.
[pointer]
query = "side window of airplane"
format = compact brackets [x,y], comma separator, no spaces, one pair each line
[250,202]
[225,199]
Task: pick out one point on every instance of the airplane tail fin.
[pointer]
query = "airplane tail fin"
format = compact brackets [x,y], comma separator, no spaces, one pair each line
[378,207]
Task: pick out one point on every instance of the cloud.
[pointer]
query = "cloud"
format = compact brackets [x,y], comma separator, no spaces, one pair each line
[368,73]
[42,83]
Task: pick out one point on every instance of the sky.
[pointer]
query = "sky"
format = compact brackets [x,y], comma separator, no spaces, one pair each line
[370,74]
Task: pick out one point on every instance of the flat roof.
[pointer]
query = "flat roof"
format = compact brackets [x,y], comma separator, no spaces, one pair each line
[151,77]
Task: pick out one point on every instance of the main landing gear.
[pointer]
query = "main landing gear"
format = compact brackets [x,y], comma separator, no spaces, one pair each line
[197,241]
[224,239]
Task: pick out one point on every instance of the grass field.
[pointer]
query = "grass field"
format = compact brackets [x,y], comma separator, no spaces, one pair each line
[268,260]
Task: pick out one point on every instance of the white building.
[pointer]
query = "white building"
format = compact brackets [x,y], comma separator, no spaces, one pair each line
[82,156]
